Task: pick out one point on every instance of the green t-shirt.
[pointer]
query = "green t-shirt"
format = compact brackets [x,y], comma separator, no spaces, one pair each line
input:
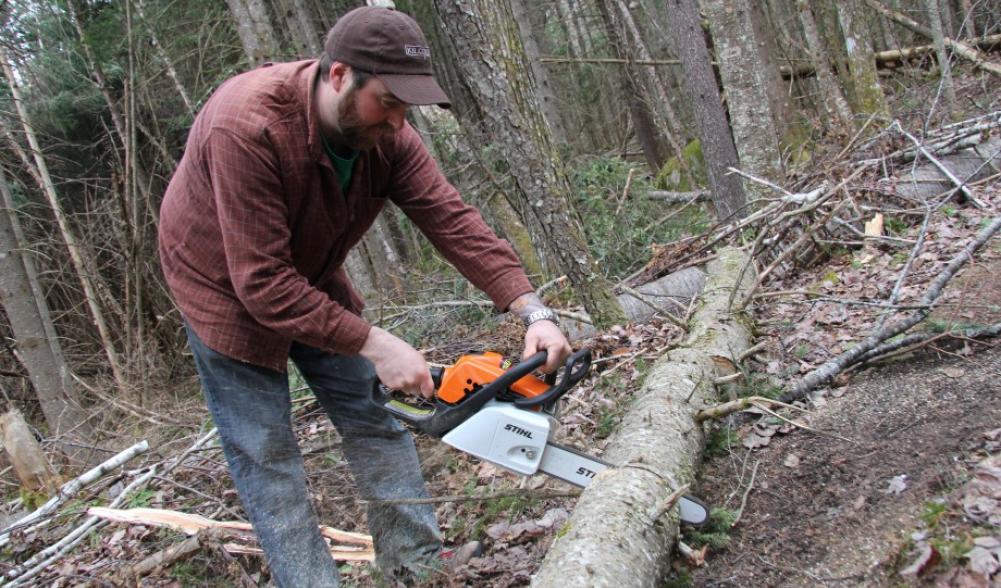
[343,166]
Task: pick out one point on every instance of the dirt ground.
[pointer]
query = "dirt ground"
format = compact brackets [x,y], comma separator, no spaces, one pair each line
[833,518]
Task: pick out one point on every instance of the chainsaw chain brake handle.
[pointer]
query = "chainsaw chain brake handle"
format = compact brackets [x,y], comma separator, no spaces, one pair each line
[574,370]
[443,417]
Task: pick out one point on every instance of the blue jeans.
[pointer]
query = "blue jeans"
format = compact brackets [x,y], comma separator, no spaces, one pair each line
[252,410]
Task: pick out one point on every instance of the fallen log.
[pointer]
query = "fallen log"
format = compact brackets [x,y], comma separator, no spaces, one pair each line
[668,296]
[962,49]
[617,535]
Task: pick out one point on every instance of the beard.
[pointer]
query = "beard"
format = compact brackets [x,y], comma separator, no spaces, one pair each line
[353,132]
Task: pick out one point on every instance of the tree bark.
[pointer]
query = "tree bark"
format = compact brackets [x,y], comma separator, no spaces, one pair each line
[671,128]
[868,95]
[703,94]
[494,70]
[944,67]
[744,73]
[38,349]
[531,24]
[832,100]
[86,279]
[615,536]
[254,28]
[632,90]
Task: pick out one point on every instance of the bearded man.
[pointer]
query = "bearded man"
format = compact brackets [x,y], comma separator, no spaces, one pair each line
[285,168]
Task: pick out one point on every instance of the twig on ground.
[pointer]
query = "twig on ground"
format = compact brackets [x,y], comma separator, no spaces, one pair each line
[960,185]
[70,489]
[22,573]
[835,366]
[747,492]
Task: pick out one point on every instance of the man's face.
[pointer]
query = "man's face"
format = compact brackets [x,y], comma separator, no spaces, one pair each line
[368,114]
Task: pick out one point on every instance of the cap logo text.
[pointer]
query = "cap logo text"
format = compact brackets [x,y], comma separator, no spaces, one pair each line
[418,51]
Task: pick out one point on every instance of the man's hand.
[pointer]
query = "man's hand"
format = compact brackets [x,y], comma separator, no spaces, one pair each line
[541,335]
[398,365]
[546,336]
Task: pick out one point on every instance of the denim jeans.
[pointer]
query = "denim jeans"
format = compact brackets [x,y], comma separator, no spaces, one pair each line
[251,408]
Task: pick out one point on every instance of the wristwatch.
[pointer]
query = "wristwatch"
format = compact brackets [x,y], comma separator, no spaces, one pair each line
[543,314]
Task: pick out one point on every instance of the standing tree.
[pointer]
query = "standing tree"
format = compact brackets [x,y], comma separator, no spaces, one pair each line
[89,281]
[833,104]
[745,74]
[37,346]
[510,125]
[632,90]
[944,67]
[703,94]
[867,94]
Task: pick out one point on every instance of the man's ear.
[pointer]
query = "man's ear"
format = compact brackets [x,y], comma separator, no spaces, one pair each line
[339,75]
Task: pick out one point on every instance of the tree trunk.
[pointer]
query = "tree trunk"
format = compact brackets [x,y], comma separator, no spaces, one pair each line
[868,96]
[515,232]
[968,23]
[531,21]
[37,476]
[744,73]
[632,91]
[836,111]
[254,28]
[670,127]
[945,68]
[28,313]
[617,535]
[71,243]
[494,69]
[700,84]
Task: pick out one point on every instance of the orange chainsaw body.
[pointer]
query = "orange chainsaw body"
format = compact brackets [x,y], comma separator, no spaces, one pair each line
[472,371]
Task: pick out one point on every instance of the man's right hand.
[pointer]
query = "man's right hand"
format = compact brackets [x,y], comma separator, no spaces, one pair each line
[398,365]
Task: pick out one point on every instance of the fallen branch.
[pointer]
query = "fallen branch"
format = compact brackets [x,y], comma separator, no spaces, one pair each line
[164,557]
[835,366]
[69,489]
[727,408]
[358,546]
[678,197]
[22,573]
[960,185]
[917,340]
[961,49]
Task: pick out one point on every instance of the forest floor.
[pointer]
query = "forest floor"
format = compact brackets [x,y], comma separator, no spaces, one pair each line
[893,485]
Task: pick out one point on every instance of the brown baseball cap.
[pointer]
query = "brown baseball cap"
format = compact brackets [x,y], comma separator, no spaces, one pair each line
[390,45]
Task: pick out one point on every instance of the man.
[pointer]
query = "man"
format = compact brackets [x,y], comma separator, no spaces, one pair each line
[285,168]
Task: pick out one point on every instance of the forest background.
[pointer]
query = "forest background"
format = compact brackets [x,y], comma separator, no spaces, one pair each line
[610,142]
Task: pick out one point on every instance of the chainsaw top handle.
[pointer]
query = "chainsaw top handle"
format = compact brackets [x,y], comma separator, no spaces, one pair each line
[443,417]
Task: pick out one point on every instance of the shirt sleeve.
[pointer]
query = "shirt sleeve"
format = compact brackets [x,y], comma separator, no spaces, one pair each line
[247,188]
[455,228]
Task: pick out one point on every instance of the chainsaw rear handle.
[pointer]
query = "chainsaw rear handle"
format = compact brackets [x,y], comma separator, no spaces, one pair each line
[574,370]
[443,417]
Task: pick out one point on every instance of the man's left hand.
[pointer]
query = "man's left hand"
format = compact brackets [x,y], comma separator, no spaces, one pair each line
[546,336]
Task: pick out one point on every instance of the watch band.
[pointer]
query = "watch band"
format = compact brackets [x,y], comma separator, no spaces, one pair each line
[543,314]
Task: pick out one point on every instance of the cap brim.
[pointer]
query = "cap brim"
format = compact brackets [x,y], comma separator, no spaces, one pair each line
[415,89]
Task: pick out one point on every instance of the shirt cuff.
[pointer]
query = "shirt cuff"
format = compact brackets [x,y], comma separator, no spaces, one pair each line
[508,286]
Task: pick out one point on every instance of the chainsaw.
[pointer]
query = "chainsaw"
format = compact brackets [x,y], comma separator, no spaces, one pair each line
[502,413]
